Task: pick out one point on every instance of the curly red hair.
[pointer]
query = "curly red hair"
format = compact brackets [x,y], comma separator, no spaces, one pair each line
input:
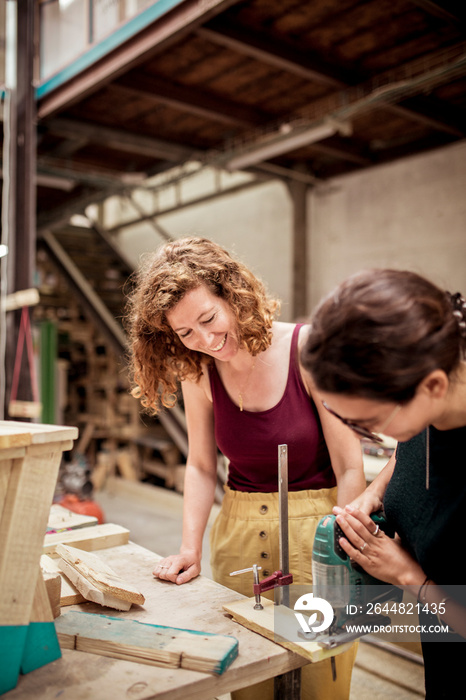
[158,358]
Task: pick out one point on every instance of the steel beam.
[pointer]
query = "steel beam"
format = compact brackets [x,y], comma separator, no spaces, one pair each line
[19,201]
[163,32]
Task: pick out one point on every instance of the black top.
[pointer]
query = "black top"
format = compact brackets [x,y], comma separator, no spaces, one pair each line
[431,522]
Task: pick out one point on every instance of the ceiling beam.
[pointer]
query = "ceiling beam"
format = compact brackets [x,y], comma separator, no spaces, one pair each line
[68,148]
[192,100]
[335,148]
[97,176]
[163,32]
[449,10]
[118,139]
[435,114]
[385,152]
[276,53]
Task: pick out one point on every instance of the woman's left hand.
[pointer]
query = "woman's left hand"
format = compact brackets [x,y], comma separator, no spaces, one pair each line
[381,556]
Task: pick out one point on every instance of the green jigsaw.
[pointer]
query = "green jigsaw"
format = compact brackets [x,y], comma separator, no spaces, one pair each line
[351,591]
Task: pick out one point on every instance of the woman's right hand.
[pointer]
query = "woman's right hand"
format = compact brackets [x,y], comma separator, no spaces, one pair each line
[367,502]
[199,483]
[371,500]
[178,568]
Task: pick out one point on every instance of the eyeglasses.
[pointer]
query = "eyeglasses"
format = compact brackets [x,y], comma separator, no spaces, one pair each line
[364,433]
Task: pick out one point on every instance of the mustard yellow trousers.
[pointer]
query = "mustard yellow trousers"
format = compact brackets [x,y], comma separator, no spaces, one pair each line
[246,532]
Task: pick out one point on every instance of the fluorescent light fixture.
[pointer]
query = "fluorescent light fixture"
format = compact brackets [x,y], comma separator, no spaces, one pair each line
[285,140]
[3,250]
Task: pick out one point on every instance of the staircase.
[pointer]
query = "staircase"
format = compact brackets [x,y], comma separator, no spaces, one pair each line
[85,279]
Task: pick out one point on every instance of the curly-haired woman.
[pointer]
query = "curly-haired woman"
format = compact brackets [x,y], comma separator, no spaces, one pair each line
[387,351]
[201,318]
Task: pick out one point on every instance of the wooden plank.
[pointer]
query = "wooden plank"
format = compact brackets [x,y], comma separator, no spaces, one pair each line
[24,520]
[47,447]
[263,622]
[91,592]
[88,539]
[53,587]
[61,518]
[147,643]
[101,575]
[97,581]
[23,297]
[14,438]
[25,409]
[69,594]
[5,470]
[11,453]
[16,433]
[41,608]
[125,465]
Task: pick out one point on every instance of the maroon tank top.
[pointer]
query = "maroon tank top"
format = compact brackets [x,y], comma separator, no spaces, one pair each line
[250,439]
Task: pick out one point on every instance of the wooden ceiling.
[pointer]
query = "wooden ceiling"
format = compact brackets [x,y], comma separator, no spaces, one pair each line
[208,80]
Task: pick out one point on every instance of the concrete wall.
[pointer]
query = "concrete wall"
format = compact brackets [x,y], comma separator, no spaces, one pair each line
[253,225]
[409,214]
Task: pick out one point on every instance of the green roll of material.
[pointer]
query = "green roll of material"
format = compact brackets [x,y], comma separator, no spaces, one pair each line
[48,356]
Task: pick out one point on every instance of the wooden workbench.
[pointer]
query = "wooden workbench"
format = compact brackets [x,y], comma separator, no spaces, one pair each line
[196,605]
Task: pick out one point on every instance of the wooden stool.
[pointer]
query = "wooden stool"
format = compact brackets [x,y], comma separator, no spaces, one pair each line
[30,456]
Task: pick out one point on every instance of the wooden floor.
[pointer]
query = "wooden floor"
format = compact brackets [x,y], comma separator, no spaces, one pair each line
[153,516]
[382,675]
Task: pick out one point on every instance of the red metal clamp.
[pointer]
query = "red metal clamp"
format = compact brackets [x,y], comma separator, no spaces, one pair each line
[272,581]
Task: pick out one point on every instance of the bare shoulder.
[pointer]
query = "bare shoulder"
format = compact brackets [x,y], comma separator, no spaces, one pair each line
[305,376]
[279,349]
[303,334]
[204,382]
[283,331]
[199,389]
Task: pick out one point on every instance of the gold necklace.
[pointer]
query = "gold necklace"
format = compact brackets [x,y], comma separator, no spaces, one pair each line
[243,387]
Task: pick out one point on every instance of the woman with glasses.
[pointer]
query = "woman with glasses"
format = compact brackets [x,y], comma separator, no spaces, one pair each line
[200,318]
[387,353]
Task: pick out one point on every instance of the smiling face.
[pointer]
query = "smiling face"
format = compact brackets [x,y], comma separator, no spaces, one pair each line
[205,323]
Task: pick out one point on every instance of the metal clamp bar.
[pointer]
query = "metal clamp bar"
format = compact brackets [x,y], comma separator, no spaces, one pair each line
[283,594]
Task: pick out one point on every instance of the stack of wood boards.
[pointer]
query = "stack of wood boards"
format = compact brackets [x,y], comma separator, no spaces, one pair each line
[65,528]
[146,643]
[87,538]
[95,580]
